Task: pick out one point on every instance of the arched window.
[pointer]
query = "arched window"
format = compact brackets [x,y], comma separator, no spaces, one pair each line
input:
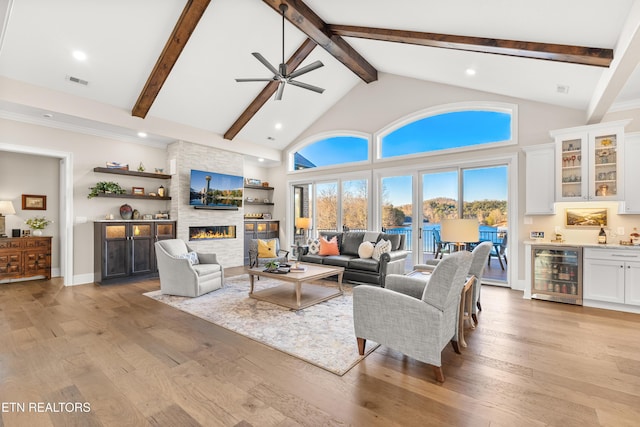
[447,131]
[331,151]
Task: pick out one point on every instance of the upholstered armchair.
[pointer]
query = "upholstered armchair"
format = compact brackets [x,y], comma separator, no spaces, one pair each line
[262,251]
[185,272]
[417,318]
[480,256]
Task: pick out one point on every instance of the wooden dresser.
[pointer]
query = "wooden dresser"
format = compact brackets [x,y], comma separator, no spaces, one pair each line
[23,257]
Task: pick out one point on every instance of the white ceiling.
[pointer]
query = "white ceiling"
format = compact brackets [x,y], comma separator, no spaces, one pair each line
[123,39]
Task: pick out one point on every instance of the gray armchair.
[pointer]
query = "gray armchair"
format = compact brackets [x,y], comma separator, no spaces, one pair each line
[280,255]
[178,276]
[480,256]
[417,318]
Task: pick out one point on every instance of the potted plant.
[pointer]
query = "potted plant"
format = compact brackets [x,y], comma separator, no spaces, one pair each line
[105,187]
[272,265]
[38,224]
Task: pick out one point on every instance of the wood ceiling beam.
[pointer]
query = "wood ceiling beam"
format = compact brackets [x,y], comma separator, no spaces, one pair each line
[191,14]
[294,62]
[552,52]
[306,20]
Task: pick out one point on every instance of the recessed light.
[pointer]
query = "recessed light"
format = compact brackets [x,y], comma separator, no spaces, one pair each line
[261,159]
[278,126]
[79,55]
[470,72]
[142,134]
[47,115]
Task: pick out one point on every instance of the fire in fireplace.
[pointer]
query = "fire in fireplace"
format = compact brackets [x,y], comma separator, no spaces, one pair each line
[212,232]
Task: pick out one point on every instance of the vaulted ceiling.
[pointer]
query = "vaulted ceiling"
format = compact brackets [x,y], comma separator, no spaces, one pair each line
[176,61]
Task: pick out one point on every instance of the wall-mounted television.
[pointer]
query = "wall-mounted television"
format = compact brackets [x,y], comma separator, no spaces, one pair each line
[213,190]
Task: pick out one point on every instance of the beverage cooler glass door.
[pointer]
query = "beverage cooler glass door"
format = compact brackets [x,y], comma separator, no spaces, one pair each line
[557,273]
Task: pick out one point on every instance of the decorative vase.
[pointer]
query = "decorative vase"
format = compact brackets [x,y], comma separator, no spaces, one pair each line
[126,211]
[37,232]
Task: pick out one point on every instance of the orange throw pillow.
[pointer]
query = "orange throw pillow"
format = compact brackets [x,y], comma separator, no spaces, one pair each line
[329,247]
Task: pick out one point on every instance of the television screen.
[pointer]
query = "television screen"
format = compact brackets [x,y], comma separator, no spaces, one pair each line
[215,190]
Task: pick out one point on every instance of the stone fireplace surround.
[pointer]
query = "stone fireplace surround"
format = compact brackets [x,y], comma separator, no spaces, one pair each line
[182,157]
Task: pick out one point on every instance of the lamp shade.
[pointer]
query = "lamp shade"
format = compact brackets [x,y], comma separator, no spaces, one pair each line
[460,230]
[303,223]
[6,208]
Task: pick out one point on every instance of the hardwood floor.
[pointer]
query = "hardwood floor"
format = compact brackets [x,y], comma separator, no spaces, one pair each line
[138,362]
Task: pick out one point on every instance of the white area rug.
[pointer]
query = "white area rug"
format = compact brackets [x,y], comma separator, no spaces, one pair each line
[321,334]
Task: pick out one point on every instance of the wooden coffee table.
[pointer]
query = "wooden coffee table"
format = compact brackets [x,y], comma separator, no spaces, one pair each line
[297,297]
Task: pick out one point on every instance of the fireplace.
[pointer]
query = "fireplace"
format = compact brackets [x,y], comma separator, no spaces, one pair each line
[212,232]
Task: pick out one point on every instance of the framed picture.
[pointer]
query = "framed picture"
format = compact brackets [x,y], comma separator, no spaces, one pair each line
[586,217]
[26,233]
[252,181]
[32,202]
[137,191]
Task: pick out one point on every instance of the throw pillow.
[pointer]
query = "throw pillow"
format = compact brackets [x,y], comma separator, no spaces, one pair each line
[381,247]
[191,256]
[314,246]
[266,248]
[365,250]
[329,247]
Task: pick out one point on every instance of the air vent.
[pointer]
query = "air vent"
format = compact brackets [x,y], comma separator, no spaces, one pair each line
[562,89]
[77,80]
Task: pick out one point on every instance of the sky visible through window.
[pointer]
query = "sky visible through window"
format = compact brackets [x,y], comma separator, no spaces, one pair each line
[448,130]
[440,132]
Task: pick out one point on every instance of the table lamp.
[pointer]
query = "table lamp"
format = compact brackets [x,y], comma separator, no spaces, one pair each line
[460,231]
[303,223]
[6,208]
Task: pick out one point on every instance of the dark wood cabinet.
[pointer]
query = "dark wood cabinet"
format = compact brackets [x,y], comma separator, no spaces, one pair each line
[23,257]
[259,229]
[125,249]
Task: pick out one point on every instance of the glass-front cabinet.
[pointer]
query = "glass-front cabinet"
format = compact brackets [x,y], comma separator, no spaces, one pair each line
[589,162]
[557,273]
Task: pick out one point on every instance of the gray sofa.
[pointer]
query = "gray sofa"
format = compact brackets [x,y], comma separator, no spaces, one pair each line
[357,269]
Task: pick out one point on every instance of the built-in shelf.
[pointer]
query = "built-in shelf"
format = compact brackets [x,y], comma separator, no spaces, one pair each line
[258,203]
[132,196]
[258,187]
[133,173]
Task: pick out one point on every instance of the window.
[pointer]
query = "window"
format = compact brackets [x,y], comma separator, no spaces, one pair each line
[445,131]
[331,151]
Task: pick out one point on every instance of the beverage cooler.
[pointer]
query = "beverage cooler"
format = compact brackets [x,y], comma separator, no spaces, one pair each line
[557,273]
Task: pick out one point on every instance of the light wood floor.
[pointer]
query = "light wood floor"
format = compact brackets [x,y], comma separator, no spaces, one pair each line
[138,362]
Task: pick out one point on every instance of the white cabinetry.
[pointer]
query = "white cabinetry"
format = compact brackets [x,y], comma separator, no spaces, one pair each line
[631,203]
[589,162]
[540,179]
[611,275]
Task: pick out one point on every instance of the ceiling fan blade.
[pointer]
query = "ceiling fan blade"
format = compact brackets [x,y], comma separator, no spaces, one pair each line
[255,80]
[280,90]
[305,69]
[306,86]
[265,63]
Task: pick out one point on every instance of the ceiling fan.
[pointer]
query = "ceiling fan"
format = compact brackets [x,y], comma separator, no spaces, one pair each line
[280,75]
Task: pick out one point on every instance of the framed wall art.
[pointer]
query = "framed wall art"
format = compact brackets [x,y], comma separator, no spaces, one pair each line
[32,202]
[137,191]
[586,217]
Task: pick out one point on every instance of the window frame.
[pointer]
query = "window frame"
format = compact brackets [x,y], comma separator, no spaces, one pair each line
[326,135]
[511,109]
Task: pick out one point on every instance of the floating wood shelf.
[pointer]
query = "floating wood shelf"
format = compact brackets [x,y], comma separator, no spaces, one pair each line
[133,173]
[258,187]
[132,196]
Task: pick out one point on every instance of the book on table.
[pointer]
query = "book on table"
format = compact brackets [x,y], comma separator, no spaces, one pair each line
[298,268]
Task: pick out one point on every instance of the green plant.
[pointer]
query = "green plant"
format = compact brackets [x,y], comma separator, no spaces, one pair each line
[272,265]
[38,223]
[105,187]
